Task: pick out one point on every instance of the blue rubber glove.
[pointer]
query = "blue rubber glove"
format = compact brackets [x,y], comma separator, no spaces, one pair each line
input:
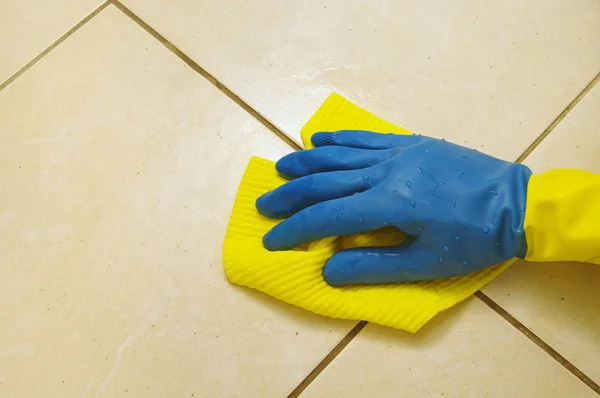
[462,210]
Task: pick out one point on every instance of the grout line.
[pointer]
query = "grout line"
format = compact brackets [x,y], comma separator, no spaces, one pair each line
[54,45]
[204,73]
[538,341]
[558,119]
[328,359]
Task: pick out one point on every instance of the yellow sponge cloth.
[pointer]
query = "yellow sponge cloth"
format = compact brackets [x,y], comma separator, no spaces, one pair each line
[295,276]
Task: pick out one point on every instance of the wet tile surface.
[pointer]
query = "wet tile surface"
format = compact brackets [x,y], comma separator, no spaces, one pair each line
[489,75]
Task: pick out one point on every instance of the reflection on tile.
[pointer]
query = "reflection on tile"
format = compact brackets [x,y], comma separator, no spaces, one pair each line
[560,301]
[491,75]
[119,170]
[468,351]
[27,27]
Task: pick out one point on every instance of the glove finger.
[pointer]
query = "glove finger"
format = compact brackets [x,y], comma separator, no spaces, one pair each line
[301,193]
[348,215]
[319,160]
[376,265]
[363,139]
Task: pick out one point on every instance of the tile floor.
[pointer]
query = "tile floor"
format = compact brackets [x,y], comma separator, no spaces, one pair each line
[120,163]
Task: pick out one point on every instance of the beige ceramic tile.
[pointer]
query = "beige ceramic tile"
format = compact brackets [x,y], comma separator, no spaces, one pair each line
[468,351]
[560,301]
[27,27]
[491,75]
[119,167]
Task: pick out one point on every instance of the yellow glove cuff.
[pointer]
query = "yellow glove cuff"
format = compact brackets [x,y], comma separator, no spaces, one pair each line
[562,218]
